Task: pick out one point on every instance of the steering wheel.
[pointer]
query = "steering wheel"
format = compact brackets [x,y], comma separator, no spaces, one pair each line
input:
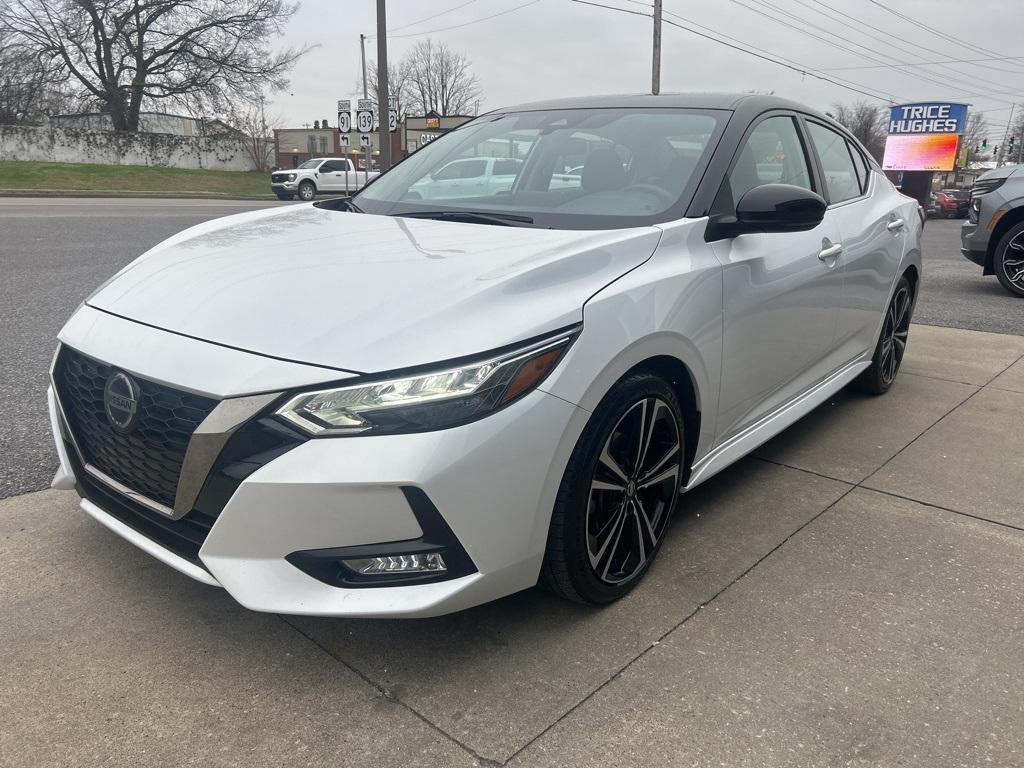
[663,195]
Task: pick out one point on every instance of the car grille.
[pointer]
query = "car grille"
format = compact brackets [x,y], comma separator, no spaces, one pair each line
[148,459]
[278,177]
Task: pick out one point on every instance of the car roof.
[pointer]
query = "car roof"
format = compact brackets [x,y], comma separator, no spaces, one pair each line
[753,103]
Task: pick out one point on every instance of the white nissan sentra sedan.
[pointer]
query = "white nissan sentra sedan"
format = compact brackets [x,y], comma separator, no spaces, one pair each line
[391,405]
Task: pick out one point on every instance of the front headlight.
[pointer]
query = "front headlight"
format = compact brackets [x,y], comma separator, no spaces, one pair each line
[431,400]
[291,177]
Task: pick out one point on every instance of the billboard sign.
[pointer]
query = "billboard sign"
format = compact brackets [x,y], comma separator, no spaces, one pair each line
[924,136]
[927,117]
[921,152]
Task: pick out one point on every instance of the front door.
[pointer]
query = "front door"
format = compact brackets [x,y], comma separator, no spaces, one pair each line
[780,290]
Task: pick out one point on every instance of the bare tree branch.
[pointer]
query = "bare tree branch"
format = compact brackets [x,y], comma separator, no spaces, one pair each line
[125,53]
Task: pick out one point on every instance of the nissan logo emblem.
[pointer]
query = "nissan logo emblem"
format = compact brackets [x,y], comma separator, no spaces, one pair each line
[121,401]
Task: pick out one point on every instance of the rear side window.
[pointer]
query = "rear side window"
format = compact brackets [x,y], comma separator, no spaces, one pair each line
[841,176]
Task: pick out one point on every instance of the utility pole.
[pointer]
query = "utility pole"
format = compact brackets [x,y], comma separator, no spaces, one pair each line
[383,103]
[362,53]
[656,62]
[1006,133]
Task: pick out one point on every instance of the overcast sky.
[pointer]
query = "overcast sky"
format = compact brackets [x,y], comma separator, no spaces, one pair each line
[552,48]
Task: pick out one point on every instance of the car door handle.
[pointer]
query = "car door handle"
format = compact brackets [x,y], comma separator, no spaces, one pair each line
[831,252]
[895,225]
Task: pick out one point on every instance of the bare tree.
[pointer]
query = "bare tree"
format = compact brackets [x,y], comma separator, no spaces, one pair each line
[975,132]
[256,128]
[440,80]
[29,88]
[128,53]
[867,121]
[399,82]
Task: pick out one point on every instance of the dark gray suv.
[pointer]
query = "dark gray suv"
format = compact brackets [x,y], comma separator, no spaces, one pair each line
[993,235]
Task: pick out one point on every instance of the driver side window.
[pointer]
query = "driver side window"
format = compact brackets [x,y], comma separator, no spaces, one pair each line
[773,153]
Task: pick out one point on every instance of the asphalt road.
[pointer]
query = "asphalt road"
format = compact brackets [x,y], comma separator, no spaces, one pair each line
[55,251]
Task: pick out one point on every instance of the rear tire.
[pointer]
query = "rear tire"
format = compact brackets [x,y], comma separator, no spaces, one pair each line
[892,343]
[1009,260]
[618,493]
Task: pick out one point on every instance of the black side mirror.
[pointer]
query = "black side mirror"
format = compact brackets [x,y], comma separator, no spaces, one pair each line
[771,208]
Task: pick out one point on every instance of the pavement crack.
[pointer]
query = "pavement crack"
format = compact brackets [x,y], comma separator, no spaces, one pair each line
[389,696]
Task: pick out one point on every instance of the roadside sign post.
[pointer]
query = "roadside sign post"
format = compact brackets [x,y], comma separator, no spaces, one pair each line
[364,124]
[344,126]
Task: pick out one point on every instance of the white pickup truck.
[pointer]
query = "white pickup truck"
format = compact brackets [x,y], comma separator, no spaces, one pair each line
[321,174]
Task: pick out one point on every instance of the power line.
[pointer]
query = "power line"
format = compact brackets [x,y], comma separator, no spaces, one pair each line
[834,44]
[933,30]
[871,34]
[432,16]
[463,24]
[613,8]
[802,71]
[798,66]
[923,63]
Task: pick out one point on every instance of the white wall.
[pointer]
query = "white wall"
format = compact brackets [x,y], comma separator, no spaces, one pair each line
[66,145]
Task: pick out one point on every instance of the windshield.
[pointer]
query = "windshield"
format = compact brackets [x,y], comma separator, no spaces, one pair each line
[310,164]
[562,169]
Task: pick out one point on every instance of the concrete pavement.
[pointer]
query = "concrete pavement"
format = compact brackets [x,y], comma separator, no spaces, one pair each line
[850,595]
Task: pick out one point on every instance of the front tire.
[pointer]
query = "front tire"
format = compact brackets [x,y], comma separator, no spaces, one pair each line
[892,343]
[618,493]
[1009,260]
[307,191]
[285,197]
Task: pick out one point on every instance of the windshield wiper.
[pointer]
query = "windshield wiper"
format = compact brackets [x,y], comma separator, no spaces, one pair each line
[477,217]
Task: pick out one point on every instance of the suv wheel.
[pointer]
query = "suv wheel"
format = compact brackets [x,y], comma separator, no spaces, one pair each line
[618,493]
[1009,260]
[307,190]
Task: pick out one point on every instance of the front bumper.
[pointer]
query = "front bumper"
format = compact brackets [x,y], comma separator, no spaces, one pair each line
[974,242]
[284,187]
[493,481]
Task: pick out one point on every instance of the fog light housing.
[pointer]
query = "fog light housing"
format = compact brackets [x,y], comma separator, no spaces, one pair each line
[426,562]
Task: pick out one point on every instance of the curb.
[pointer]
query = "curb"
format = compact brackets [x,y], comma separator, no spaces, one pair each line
[197,195]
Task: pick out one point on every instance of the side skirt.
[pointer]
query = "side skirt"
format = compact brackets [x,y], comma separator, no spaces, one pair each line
[738,446]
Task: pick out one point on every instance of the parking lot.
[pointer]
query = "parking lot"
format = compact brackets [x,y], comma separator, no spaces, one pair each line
[849,595]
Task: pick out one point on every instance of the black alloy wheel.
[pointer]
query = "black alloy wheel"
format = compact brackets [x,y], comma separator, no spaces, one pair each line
[619,491]
[892,344]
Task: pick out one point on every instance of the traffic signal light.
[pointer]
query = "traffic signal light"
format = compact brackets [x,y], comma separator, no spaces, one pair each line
[995,150]
[984,143]
[1011,143]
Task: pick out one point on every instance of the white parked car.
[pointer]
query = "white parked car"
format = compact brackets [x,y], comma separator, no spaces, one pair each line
[386,405]
[466,177]
[321,174]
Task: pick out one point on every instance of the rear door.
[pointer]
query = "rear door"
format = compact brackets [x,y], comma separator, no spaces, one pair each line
[865,208]
[781,290]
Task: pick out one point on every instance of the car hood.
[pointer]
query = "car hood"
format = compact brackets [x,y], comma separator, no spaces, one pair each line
[366,293]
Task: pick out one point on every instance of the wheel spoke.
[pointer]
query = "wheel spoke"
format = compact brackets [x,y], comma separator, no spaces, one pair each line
[613,530]
[647,521]
[615,544]
[655,412]
[642,554]
[604,485]
[612,464]
[659,464]
[665,474]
